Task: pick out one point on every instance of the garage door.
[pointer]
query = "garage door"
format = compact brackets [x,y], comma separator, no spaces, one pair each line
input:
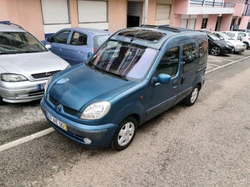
[163,14]
[55,11]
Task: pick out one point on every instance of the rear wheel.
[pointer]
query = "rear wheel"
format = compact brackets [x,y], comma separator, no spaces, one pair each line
[215,51]
[247,45]
[192,97]
[124,134]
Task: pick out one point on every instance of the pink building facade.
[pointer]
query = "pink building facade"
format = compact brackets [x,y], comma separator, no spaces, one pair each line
[44,17]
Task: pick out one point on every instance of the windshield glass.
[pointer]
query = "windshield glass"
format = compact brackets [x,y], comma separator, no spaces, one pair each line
[214,37]
[124,60]
[225,36]
[19,42]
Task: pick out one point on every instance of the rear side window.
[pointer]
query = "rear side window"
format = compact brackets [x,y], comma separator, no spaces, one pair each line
[189,56]
[231,34]
[203,52]
[169,62]
[78,39]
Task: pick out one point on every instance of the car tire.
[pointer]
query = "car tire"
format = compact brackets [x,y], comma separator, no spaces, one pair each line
[124,134]
[192,97]
[247,45]
[215,51]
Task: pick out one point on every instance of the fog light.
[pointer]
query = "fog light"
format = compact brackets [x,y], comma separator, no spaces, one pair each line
[87,141]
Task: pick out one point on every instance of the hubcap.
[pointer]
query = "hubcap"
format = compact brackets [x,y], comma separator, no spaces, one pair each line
[215,51]
[126,133]
[194,95]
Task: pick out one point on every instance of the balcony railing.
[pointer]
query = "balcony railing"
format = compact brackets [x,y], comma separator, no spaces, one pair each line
[211,3]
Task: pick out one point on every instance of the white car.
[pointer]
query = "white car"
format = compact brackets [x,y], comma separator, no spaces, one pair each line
[237,35]
[25,65]
[239,46]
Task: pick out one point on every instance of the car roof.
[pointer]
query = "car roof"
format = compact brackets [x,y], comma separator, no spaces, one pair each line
[10,28]
[89,31]
[151,35]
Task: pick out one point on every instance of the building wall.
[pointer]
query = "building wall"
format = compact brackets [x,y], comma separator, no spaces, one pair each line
[151,12]
[26,13]
[73,11]
[226,22]
[117,11]
[198,22]
[244,22]
[212,19]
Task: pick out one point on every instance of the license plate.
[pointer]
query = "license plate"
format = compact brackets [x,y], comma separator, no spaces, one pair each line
[41,86]
[57,122]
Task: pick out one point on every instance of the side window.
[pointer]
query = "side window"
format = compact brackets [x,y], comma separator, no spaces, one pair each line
[242,35]
[169,62]
[62,37]
[231,34]
[78,39]
[189,56]
[203,52]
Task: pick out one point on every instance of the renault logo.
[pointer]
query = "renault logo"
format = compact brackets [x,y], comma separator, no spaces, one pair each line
[58,107]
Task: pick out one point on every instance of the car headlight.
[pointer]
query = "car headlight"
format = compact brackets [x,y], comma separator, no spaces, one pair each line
[9,77]
[228,46]
[96,110]
[47,84]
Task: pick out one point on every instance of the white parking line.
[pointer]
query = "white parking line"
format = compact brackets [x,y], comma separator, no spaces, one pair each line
[50,130]
[213,64]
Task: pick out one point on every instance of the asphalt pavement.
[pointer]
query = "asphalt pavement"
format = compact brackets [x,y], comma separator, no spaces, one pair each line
[203,145]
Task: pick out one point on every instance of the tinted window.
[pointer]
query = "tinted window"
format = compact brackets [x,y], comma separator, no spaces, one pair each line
[143,34]
[169,62]
[202,52]
[78,39]
[123,59]
[231,34]
[62,37]
[189,56]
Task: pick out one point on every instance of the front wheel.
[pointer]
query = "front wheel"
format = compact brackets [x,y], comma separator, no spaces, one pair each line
[215,51]
[192,97]
[124,134]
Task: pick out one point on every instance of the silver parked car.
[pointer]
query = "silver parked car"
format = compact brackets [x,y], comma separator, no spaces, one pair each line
[25,65]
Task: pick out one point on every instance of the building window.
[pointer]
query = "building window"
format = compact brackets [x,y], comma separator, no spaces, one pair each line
[184,23]
[204,23]
[192,23]
[163,13]
[55,11]
[92,11]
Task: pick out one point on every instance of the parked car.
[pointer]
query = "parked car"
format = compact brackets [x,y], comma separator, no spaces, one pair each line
[76,45]
[238,45]
[25,65]
[137,74]
[244,30]
[218,46]
[242,36]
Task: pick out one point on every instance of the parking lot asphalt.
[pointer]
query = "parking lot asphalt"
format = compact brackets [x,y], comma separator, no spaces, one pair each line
[21,120]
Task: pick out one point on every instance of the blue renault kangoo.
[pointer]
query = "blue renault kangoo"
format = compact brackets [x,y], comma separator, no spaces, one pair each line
[134,76]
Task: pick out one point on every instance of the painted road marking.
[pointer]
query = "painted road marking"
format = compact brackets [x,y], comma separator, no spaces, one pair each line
[50,130]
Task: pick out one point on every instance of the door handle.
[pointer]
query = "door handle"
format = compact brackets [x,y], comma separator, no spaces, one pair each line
[175,82]
[182,79]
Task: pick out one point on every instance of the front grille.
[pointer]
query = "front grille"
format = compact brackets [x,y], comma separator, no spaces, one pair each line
[44,74]
[70,110]
[65,108]
[35,93]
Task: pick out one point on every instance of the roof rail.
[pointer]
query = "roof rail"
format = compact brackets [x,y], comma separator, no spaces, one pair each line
[9,23]
[162,27]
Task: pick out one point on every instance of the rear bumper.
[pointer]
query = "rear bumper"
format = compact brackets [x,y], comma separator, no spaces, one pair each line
[18,92]
[100,135]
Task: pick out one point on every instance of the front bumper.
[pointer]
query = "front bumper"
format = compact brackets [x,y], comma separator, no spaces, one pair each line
[18,92]
[239,49]
[100,135]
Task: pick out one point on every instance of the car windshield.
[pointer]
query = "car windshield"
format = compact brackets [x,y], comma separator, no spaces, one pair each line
[225,36]
[124,60]
[19,42]
[213,36]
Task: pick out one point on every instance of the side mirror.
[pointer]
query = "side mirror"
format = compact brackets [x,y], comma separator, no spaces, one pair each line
[162,78]
[48,39]
[90,54]
[48,46]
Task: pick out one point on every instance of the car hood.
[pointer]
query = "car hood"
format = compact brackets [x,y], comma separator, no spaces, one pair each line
[84,85]
[222,42]
[31,63]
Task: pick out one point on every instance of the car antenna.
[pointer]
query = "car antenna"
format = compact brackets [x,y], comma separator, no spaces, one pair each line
[136,34]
